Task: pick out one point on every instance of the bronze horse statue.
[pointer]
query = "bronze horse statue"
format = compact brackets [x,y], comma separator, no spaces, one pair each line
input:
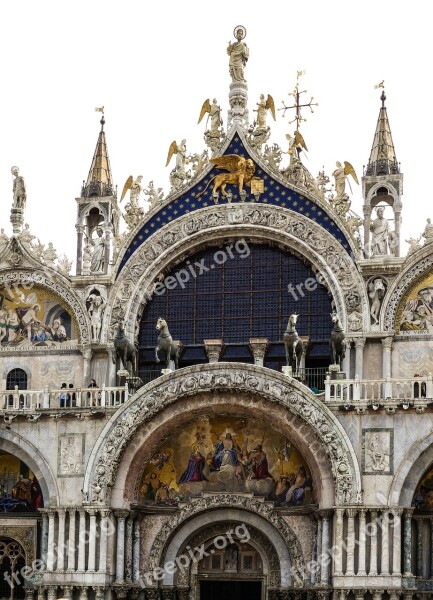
[124,350]
[169,349]
[293,344]
[337,343]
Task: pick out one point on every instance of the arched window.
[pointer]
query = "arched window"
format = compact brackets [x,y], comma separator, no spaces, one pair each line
[12,561]
[16,377]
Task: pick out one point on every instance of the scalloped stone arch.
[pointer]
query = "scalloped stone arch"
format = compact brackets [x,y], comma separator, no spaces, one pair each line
[179,386]
[215,225]
[380,184]
[415,269]
[86,211]
[194,515]
[15,444]
[55,285]
[411,469]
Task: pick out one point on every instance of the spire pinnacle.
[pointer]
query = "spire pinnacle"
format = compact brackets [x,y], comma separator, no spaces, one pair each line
[99,181]
[382,159]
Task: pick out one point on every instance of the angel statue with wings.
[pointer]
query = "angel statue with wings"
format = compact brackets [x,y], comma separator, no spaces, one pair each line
[263,106]
[341,202]
[135,187]
[296,173]
[215,135]
[178,174]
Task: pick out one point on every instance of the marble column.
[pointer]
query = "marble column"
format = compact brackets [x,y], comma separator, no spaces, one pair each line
[50,551]
[80,231]
[362,543]
[359,357]
[128,548]
[407,542]
[213,349]
[71,541]
[394,595]
[386,357]
[41,592]
[112,381]
[44,535]
[351,513]
[338,564]
[373,544]
[61,540]
[324,575]
[346,359]
[121,515]
[367,219]
[419,547]
[396,542]
[87,360]
[258,347]
[376,594]
[82,541]
[319,548]
[384,566]
[92,540]
[136,551]
[431,547]
[103,541]
[52,593]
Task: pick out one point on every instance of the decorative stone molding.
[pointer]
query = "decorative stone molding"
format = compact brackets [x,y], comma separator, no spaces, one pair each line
[255,222]
[258,506]
[209,378]
[54,284]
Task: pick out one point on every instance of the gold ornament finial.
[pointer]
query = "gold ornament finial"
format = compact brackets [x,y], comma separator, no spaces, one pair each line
[297,102]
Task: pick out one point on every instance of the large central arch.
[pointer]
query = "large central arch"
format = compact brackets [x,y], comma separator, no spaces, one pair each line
[256,223]
[251,382]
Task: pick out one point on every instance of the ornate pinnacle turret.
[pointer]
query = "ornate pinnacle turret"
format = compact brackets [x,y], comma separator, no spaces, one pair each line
[99,182]
[382,157]
[238,96]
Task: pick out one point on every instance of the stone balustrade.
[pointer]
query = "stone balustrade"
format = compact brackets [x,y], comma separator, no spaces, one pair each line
[31,401]
[387,391]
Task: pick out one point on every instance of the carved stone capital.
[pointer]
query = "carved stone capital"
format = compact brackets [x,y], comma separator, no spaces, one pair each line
[258,347]
[359,342]
[121,515]
[387,343]
[213,349]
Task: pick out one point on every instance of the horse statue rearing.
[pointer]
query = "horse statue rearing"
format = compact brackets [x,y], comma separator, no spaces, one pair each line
[337,343]
[124,350]
[166,345]
[293,344]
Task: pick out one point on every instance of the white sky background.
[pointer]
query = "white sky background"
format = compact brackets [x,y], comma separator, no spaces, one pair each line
[153,64]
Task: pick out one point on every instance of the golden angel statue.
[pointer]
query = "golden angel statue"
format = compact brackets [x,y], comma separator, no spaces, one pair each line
[296,145]
[135,187]
[340,174]
[214,114]
[263,106]
[240,173]
[180,151]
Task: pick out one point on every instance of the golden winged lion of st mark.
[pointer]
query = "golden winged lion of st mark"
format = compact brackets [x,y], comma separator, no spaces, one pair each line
[241,172]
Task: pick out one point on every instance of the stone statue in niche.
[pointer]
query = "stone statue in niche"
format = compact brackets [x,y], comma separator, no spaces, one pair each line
[96,306]
[376,293]
[379,234]
[231,558]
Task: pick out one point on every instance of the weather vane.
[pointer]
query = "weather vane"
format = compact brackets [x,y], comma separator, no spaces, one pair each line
[297,102]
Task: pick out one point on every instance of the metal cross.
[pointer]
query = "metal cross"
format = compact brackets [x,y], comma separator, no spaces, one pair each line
[297,102]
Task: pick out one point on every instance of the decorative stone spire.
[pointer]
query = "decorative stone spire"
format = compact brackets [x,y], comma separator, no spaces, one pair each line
[382,157]
[99,181]
[238,96]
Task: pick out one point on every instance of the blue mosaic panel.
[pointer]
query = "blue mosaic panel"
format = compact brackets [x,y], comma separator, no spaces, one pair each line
[274,193]
[242,298]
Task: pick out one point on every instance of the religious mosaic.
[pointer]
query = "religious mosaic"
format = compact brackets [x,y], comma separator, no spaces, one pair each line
[19,488]
[226,454]
[423,498]
[416,311]
[34,317]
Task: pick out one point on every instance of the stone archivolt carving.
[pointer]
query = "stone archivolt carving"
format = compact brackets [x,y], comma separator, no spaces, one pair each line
[414,271]
[249,503]
[45,280]
[287,228]
[256,536]
[273,386]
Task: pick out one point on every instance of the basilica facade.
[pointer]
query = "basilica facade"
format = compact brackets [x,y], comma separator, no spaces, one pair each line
[231,398]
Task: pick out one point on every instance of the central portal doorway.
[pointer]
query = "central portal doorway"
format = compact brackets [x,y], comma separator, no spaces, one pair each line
[230,590]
